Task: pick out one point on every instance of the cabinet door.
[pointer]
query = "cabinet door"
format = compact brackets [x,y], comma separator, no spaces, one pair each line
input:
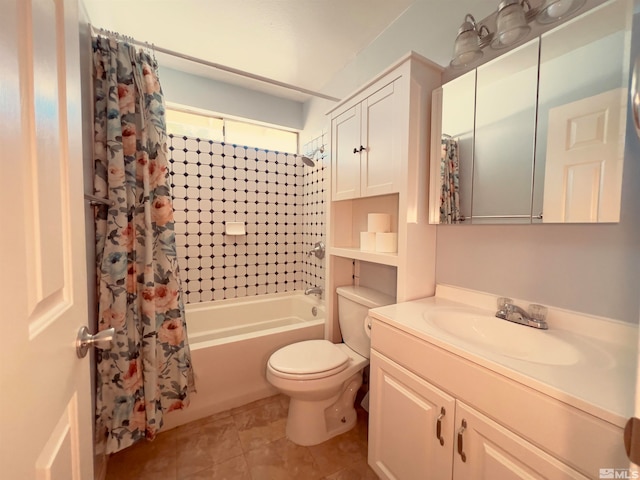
[404,415]
[382,124]
[492,452]
[345,137]
[504,137]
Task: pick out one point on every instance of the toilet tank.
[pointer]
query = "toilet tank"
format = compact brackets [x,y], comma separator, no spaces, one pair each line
[353,305]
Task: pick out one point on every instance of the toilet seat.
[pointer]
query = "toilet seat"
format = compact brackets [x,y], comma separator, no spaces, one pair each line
[308,360]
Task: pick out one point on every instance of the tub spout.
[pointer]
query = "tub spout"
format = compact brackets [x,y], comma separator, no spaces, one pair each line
[316,290]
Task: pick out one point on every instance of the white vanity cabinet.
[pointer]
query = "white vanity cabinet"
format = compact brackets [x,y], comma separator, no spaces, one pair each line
[491,427]
[366,144]
[429,435]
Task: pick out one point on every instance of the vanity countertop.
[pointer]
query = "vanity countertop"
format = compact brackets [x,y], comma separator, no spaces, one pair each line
[601,381]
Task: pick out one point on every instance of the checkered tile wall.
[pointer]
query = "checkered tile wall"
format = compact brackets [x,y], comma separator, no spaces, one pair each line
[280,200]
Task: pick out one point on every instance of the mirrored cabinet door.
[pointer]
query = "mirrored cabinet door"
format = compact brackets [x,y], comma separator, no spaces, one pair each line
[504,137]
[456,154]
[582,116]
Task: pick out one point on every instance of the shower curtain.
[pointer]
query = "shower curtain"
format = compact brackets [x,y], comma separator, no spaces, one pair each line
[147,371]
[450,182]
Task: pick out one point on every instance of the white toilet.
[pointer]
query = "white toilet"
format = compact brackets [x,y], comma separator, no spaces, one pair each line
[322,378]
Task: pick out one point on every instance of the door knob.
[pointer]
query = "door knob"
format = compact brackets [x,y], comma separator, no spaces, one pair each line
[84,340]
[632,439]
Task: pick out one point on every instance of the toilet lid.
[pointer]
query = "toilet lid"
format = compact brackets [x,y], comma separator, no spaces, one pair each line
[309,357]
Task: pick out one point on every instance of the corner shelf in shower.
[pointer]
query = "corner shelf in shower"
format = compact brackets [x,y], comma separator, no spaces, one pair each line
[390,259]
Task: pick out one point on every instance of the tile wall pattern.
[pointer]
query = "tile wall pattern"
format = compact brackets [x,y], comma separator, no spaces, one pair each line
[273,193]
[314,203]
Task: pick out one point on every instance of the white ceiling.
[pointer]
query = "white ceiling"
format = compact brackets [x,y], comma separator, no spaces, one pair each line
[299,42]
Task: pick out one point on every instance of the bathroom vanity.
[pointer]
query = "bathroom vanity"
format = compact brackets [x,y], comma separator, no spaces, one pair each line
[459,394]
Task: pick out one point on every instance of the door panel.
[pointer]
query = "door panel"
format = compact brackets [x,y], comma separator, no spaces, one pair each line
[403,441]
[45,411]
[345,137]
[585,149]
[491,452]
[380,159]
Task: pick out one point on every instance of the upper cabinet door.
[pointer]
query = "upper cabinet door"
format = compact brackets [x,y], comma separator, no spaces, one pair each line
[584,69]
[454,164]
[382,141]
[345,144]
[504,137]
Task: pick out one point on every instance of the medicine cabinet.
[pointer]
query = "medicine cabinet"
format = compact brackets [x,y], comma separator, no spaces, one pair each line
[537,134]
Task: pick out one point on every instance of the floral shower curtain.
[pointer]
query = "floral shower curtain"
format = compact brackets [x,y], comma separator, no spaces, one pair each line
[450,185]
[147,372]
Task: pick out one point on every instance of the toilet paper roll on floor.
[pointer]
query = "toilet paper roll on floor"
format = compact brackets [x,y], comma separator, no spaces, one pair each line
[378,222]
[386,242]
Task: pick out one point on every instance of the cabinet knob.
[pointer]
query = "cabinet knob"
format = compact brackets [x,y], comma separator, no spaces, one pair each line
[463,427]
[358,150]
[355,150]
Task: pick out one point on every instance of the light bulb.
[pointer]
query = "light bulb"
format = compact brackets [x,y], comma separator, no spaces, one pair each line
[559,8]
[511,24]
[556,10]
[510,36]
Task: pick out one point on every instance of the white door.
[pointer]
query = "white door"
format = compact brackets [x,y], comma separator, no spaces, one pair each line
[413,438]
[381,126]
[45,412]
[345,154]
[634,444]
[583,168]
[488,451]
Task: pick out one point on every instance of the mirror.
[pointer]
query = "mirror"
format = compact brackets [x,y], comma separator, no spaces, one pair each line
[582,108]
[536,135]
[456,149]
[504,139]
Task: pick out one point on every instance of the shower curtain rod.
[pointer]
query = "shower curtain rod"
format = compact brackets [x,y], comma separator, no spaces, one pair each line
[217,66]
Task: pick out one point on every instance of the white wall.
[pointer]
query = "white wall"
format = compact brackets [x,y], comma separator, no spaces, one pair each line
[589,268]
[232,100]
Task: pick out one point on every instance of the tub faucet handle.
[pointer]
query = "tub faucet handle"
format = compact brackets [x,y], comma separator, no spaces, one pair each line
[317,250]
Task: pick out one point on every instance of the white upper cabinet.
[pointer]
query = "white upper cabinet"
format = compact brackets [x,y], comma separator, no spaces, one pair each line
[380,164]
[366,139]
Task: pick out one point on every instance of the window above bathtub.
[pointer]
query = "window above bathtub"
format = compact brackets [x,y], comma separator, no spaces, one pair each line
[208,126]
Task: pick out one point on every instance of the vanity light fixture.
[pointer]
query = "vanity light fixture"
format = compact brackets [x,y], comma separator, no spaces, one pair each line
[467,48]
[511,23]
[555,10]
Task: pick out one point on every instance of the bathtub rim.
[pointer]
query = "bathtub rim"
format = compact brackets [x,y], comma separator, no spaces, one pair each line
[256,299]
[311,299]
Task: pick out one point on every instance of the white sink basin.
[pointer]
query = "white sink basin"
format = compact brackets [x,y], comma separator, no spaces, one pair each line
[503,337]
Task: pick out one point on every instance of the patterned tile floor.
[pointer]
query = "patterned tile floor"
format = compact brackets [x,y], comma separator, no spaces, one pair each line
[245,443]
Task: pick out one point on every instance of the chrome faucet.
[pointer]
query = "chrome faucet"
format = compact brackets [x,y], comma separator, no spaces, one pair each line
[513,313]
[316,290]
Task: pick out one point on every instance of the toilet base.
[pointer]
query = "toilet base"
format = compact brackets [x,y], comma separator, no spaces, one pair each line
[313,422]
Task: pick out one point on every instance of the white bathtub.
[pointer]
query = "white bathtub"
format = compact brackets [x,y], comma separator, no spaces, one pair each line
[231,341]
